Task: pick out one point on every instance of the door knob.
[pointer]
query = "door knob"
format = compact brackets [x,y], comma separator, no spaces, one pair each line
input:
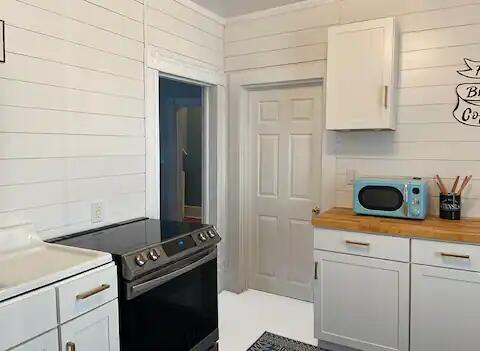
[316,210]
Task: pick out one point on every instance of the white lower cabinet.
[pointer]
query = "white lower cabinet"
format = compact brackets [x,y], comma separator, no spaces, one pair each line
[445,309]
[80,312]
[95,331]
[45,342]
[19,319]
[362,302]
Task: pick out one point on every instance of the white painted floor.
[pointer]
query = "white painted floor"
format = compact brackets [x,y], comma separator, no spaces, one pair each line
[243,319]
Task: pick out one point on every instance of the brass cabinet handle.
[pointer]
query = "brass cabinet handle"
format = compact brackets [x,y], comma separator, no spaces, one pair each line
[316,211]
[445,254]
[385,96]
[71,346]
[92,292]
[350,242]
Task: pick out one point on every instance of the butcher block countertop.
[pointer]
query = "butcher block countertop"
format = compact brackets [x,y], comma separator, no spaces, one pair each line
[465,230]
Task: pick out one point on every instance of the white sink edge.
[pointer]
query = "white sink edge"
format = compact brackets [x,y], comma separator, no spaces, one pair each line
[101,259]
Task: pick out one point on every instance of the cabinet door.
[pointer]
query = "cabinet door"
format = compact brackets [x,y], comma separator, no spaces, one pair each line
[45,342]
[361,302]
[445,309]
[16,322]
[361,75]
[97,330]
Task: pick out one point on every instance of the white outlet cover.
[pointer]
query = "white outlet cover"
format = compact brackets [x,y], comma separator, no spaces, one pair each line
[97,212]
[350,178]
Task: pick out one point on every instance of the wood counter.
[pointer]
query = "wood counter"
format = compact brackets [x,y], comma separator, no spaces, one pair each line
[465,230]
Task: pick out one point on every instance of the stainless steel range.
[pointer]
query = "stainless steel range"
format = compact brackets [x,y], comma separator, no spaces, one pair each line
[167,281]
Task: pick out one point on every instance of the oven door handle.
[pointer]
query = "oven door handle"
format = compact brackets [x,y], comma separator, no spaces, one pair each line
[142,288]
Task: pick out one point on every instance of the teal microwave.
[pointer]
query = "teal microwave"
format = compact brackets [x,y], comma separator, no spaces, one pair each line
[402,198]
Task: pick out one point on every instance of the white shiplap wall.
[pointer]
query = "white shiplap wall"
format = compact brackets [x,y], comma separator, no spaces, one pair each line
[435,36]
[72,102]
[71,112]
[182,34]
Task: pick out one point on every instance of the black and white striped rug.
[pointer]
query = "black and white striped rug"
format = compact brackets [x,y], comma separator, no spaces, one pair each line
[272,342]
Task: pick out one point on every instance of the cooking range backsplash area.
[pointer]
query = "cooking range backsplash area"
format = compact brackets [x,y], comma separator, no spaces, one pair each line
[378,154]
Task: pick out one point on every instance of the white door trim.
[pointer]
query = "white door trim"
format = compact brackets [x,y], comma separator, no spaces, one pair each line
[152,140]
[240,183]
[152,169]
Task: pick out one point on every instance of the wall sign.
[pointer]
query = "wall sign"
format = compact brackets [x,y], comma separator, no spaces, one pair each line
[467,110]
[2,41]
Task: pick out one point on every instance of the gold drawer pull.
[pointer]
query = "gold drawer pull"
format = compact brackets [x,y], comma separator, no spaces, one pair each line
[349,242]
[465,257]
[92,292]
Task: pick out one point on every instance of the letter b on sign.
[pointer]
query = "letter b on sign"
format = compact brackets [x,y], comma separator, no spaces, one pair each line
[473,91]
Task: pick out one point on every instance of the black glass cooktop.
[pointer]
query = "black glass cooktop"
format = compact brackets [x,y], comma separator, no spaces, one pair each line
[129,237]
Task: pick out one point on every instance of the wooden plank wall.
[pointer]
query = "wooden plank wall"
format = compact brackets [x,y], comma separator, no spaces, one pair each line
[71,112]
[183,32]
[72,119]
[435,36]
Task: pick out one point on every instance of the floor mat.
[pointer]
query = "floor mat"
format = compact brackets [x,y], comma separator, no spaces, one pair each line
[273,342]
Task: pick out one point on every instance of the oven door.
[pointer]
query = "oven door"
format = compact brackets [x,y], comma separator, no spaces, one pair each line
[175,309]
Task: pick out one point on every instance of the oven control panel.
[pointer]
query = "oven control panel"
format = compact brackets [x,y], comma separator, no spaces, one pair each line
[156,256]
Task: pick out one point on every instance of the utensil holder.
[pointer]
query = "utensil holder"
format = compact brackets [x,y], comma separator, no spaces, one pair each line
[450,206]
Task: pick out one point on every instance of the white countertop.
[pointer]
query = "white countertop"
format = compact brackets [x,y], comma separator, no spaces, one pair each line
[28,263]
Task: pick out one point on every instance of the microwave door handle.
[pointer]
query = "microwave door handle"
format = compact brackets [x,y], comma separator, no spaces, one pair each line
[405,200]
[142,288]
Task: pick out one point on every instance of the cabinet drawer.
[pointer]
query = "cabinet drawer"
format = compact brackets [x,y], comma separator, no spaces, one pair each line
[448,255]
[86,292]
[361,244]
[26,317]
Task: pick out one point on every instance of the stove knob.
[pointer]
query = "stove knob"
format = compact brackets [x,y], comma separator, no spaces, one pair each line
[153,254]
[140,260]
[202,236]
[211,234]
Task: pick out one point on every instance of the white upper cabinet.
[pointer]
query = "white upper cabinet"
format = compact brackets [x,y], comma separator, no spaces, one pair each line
[361,75]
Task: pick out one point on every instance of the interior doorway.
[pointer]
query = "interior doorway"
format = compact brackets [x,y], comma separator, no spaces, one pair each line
[182,130]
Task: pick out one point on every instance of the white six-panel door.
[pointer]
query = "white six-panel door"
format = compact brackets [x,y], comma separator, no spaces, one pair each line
[286,139]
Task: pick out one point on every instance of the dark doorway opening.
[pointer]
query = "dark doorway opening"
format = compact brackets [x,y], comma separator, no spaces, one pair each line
[181,150]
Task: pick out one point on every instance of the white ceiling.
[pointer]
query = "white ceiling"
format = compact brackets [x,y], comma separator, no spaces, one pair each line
[230,8]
